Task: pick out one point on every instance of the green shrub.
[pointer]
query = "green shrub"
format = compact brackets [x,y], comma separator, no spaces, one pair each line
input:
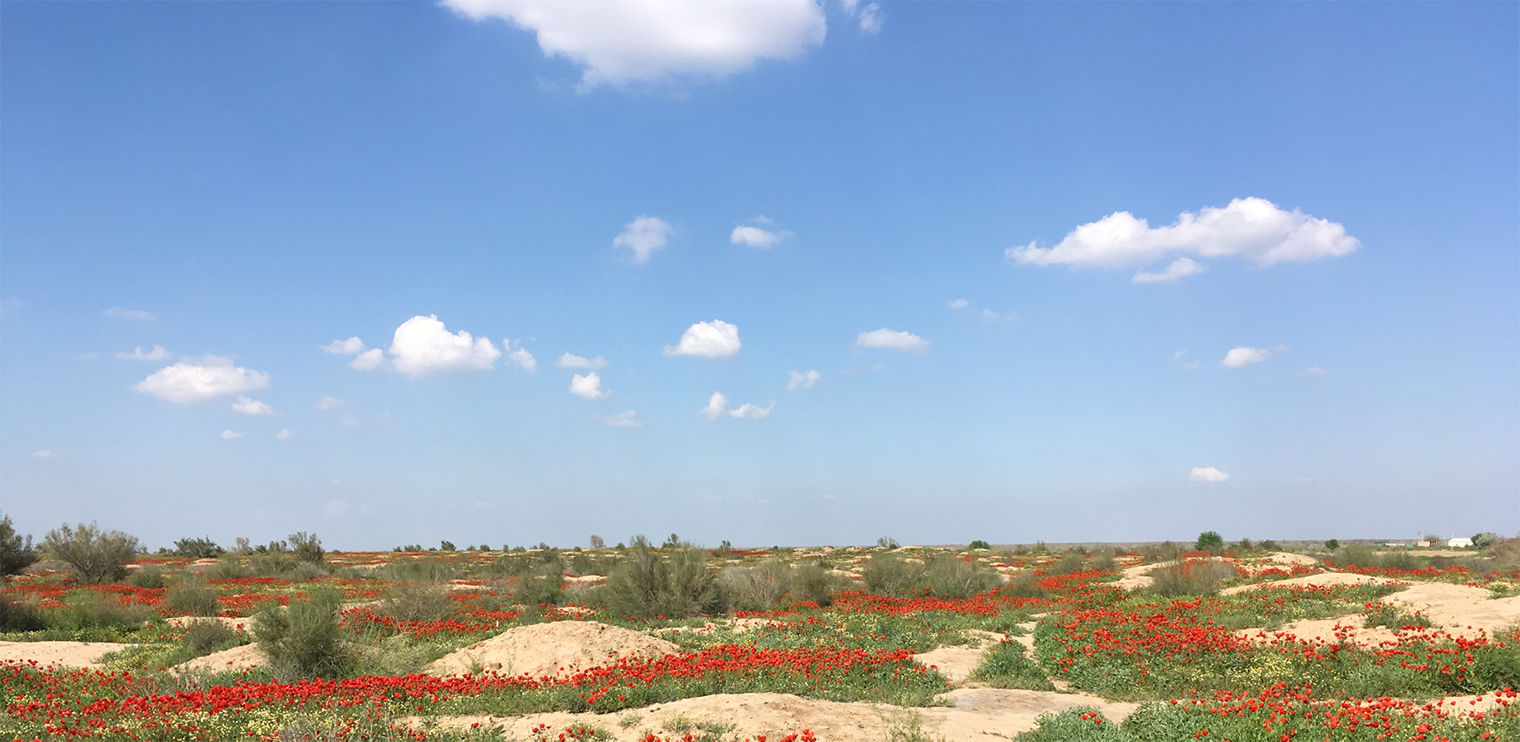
[1209,541]
[1333,544]
[191,597]
[1269,545]
[1074,725]
[95,556]
[306,572]
[1025,586]
[205,637]
[812,583]
[1104,562]
[1190,578]
[17,615]
[890,574]
[87,609]
[946,576]
[150,577]
[1071,563]
[197,548]
[419,601]
[271,563]
[1005,665]
[306,547]
[756,588]
[302,640]
[647,584]
[16,553]
[1165,551]
[229,567]
[978,544]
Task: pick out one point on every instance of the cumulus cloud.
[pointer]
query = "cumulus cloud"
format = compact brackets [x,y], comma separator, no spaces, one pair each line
[1179,268]
[715,339]
[959,304]
[760,237]
[136,315]
[892,340]
[717,406]
[1252,229]
[329,404]
[369,360]
[42,454]
[138,354]
[228,435]
[249,406]
[588,386]
[1207,474]
[201,379]
[424,346]
[624,419]
[802,379]
[1245,356]
[344,347]
[643,236]
[570,360]
[617,42]
[519,356]
[284,435]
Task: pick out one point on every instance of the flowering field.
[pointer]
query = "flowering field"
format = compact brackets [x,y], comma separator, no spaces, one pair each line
[914,642]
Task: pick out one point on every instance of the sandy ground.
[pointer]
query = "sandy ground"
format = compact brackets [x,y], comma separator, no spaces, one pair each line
[1326,578]
[1327,630]
[957,662]
[974,714]
[1458,608]
[549,649]
[237,658]
[244,624]
[68,654]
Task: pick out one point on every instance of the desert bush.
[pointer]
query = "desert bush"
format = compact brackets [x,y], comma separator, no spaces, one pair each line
[1209,541]
[1269,545]
[191,597]
[1005,665]
[1333,544]
[1505,554]
[886,542]
[228,567]
[150,577]
[645,585]
[756,588]
[1104,562]
[811,582]
[1071,563]
[1360,555]
[946,576]
[890,574]
[302,640]
[86,609]
[418,601]
[539,587]
[94,555]
[205,637]
[197,548]
[306,547]
[1165,551]
[978,544]
[1024,586]
[1190,578]
[1244,546]
[18,615]
[16,552]
[270,563]
[306,572]
[1398,560]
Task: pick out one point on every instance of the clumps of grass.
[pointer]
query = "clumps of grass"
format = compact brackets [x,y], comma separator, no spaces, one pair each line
[1190,578]
[908,726]
[191,597]
[419,601]
[1393,616]
[85,610]
[756,588]
[1070,563]
[947,576]
[1024,586]
[1082,723]
[647,584]
[150,577]
[228,567]
[302,640]
[205,637]
[889,574]
[811,582]
[1005,665]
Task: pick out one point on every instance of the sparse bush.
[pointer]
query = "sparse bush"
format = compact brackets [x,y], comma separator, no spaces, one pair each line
[424,569]
[205,637]
[1070,564]
[1505,554]
[446,545]
[1484,540]
[17,615]
[646,585]
[811,582]
[1244,546]
[1393,616]
[890,574]
[948,577]
[95,556]
[270,563]
[197,548]
[1360,555]
[91,610]
[306,572]
[150,577]
[539,587]
[16,552]
[1269,545]
[597,542]
[1025,586]
[191,597]
[1209,541]
[419,601]
[978,544]
[228,567]
[756,588]
[306,547]
[1165,551]
[886,542]
[1190,578]
[302,640]
[1104,562]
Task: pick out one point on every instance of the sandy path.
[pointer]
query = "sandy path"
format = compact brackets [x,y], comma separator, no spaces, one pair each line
[68,654]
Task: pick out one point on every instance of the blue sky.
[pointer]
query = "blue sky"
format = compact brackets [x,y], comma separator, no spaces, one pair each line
[1315,332]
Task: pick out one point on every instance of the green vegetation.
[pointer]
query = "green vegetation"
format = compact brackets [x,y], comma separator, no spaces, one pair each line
[96,556]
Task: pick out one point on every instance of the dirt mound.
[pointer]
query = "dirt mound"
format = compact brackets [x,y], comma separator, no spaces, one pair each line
[975,714]
[237,658]
[957,663]
[68,654]
[549,649]
[1290,559]
[243,624]
[1458,607]
[1326,578]
[1326,630]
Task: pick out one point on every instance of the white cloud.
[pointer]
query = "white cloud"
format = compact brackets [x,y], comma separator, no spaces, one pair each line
[344,347]
[423,346]
[519,356]
[249,406]
[284,435]
[892,340]
[717,406]
[588,386]
[228,435]
[617,42]
[42,454]
[757,237]
[136,315]
[138,354]
[201,379]
[870,18]
[1245,356]
[715,339]
[1179,268]
[625,419]
[992,315]
[369,360]
[643,236]
[1252,229]
[1207,474]
[959,304]
[1180,358]
[1315,371]
[570,360]
[802,379]
[87,357]
[329,403]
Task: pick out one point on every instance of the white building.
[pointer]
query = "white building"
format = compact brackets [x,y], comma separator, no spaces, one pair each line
[1459,543]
